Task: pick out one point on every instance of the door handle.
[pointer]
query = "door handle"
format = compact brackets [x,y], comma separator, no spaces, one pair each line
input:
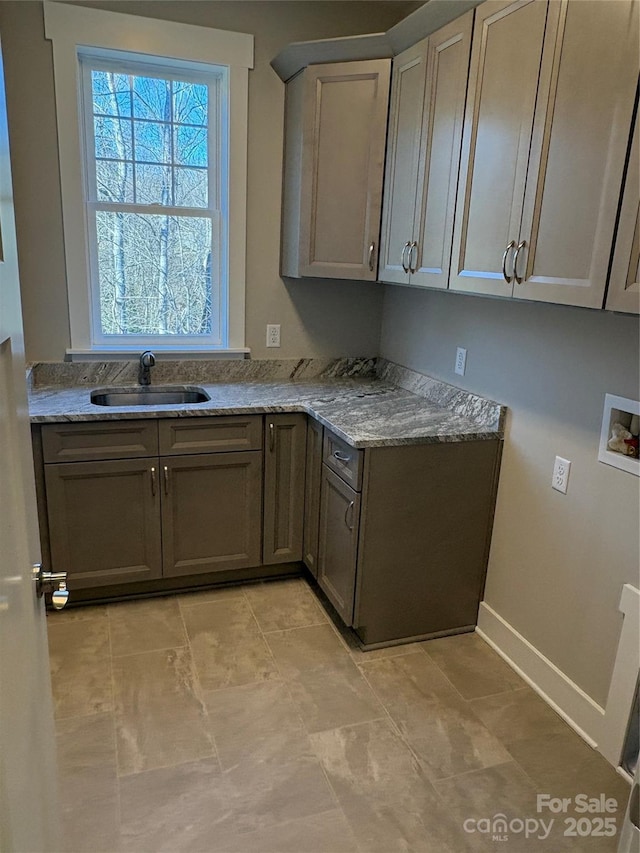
[272,437]
[413,246]
[341,457]
[46,582]
[166,479]
[153,481]
[406,246]
[372,249]
[346,515]
[510,246]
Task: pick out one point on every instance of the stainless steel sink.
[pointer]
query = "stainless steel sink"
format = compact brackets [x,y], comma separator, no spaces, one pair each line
[149,395]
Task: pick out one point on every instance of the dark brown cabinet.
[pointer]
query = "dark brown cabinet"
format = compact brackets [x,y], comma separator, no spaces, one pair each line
[313,478]
[338,542]
[211,512]
[104,521]
[125,519]
[284,470]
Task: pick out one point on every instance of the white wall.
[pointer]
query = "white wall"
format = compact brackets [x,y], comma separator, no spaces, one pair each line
[557,562]
[318,318]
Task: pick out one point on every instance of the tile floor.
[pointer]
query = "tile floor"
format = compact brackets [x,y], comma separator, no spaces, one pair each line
[242,721]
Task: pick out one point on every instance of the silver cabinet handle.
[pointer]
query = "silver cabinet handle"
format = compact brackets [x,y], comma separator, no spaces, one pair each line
[166,479]
[372,249]
[406,246]
[46,582]
[272,437]
[153,482]
[515,262]
[413,246]
[341,457]
[346,514]
[506,277]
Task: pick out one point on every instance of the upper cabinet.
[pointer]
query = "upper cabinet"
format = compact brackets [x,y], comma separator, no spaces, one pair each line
[624,284]
[423,155]
[335,127]
[547,121]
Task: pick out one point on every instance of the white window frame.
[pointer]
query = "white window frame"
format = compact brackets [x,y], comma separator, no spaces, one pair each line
[76,30]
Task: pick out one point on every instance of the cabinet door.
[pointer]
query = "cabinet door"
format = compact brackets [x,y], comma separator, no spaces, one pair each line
[312,483]
[580,140]
[344,130]
[338,543]
[284,466]
[448,65]
[624,284]
[211,512]
[403,152]
[506,59]
[104,521]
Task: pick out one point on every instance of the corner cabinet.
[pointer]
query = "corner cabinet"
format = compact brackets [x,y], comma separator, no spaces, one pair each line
[537,201]
[423,157]
[335,127]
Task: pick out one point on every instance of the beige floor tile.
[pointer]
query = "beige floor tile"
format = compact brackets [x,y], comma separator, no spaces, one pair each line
[256,723]
[278,605]
[77,614]
[173,808]
[437,724]
[332,696]
[472,666]
[384,793]
[89,811]
[145,626]
[187,599]
[517,714]
[228,649]
[302,649]
[84,742]
[80,667]
[328,832]
[160,719]
[506,790]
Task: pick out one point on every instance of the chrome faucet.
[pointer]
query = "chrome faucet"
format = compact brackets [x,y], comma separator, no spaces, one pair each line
[147,360]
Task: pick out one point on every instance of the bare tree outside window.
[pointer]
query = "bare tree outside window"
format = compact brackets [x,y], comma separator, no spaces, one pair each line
[156,250]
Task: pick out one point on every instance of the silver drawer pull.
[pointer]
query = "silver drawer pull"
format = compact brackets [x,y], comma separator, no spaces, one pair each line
[521,246]
[346,515]
[507,278]
[153,482]
[341,457]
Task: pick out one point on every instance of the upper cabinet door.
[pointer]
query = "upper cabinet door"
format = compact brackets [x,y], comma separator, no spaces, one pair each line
[403,160]
[580,139]
[448,66]
[505,66]
[624,284]
[334,162]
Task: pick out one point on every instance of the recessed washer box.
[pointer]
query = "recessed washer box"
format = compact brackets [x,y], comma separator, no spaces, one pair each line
[618,410]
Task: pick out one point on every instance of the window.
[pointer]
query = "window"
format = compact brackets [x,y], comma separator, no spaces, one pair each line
[153,169]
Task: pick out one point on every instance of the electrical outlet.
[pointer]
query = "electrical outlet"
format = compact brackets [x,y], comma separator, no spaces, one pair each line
[560,479]
[461,361]
[273,335]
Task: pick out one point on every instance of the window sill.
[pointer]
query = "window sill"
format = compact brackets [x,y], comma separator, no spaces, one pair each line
[164,353]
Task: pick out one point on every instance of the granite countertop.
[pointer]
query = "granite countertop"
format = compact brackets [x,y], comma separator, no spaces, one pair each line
[365,410]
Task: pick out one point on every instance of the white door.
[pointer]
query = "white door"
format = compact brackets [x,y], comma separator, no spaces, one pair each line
[27,746]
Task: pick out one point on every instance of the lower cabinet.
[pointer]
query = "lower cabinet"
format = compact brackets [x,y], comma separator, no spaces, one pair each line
[170,513]
[338,542]
[104,521]
[284,467]
[312,480]
[211,512]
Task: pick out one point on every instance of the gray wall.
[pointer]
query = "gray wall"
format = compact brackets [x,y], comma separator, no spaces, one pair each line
[318,318]
[558,562]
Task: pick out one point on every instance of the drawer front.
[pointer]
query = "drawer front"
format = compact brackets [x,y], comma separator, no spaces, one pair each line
[345,460]
[210,435]
[84,442]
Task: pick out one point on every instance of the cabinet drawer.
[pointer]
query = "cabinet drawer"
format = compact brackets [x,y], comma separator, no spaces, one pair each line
[80,442]
[210,435]
[345,460]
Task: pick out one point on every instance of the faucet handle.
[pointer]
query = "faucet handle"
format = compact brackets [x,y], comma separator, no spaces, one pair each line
[147,359]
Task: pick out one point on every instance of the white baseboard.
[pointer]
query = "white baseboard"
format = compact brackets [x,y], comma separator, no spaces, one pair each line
[571,702]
